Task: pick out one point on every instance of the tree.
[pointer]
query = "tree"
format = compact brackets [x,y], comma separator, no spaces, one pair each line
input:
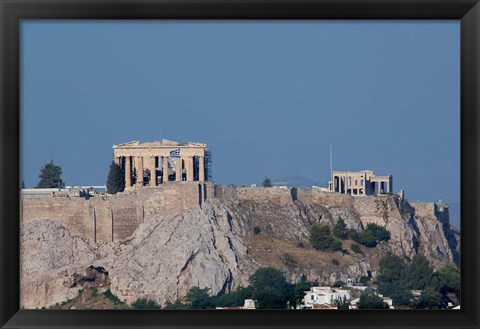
[321,238]
[367,238]
[450,279]
[390,268]
[235,298]
[268,278]
[270,300]
[50,176]
[398,294]
[144,304]
[270,288]
[370,301]
[356,248]
[198,298]
[339,230]
[430,299]
[379,232]
[177,305]
[267,182]
[417,274]
[115,179]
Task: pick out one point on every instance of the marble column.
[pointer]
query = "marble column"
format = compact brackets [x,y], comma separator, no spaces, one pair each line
[178,169]
[128,172]
[201,169]
[139,167]
[190,169]
[119,161]
[165,169]
[153,172]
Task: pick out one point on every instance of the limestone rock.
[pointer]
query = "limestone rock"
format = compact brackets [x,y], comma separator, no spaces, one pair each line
[171,251]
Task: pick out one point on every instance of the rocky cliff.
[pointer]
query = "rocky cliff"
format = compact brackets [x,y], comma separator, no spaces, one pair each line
[213,244]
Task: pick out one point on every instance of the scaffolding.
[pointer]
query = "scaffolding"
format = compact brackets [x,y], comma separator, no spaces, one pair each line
[208,164]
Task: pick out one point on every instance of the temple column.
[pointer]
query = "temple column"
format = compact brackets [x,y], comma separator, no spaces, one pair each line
[190,168]
[201,169]
[119,161]
[165,169]
[139,167]
[153,172]
[128,172]
[178,170]
[388,186]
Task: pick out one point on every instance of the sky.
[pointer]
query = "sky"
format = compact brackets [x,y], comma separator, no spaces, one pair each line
[268,97]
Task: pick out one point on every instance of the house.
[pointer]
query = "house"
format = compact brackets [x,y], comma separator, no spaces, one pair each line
[324,295]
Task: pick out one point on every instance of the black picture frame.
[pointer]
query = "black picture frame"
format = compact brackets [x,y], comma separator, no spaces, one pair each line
[13,11]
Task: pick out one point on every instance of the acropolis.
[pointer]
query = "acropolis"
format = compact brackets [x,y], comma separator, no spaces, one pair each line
[154,163]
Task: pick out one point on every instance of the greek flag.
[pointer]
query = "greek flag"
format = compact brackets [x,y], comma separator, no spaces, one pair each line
[175,153]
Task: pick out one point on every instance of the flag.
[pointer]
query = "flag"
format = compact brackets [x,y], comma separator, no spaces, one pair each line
[175,153]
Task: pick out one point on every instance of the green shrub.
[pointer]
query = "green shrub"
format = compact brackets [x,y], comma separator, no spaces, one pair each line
[340,229]
[321,238]
[144,304]
[177,305]
[94,293]
[256,230]
[370,301]
[356,248]
[300,245]
[108,294]
[364,280]
[288,260]
[334,261]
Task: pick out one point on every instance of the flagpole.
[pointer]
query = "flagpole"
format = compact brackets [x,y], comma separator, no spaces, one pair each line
[331,164]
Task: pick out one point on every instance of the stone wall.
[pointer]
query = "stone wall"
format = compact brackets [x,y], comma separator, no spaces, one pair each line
[115,218]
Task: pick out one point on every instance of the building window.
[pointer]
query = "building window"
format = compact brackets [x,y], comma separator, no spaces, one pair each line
[356,182]
[312,297]
[361,182]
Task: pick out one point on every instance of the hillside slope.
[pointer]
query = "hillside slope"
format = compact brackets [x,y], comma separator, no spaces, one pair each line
[215,245]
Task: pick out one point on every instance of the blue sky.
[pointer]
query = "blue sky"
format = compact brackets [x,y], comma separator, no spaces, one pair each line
[267,96]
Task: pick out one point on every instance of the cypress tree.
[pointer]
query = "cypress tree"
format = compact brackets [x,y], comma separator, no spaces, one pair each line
[115,179]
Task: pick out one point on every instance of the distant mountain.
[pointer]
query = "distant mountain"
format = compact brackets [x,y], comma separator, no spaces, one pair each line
[454,212]
[296,181]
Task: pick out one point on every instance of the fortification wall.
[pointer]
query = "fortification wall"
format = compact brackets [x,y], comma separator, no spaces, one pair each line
[116,217]
[423,209]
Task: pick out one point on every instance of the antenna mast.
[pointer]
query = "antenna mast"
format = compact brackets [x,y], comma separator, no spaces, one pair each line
[331,163]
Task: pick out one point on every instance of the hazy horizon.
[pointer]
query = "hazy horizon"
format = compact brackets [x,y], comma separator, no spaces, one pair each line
[268,97]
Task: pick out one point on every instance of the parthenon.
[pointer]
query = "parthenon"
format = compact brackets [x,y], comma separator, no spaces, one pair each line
[153,163]
[360,183]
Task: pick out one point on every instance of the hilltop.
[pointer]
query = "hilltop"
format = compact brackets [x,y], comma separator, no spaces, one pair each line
[172,240]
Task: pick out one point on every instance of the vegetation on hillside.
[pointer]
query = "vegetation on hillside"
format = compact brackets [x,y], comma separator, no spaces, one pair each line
[398,276]
[370,301]
[321,238]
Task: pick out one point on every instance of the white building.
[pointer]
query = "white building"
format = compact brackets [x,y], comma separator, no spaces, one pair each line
[249,304]
[324,295]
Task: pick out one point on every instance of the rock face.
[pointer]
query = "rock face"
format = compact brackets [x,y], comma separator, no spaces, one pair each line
[209,246]
[49,258]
